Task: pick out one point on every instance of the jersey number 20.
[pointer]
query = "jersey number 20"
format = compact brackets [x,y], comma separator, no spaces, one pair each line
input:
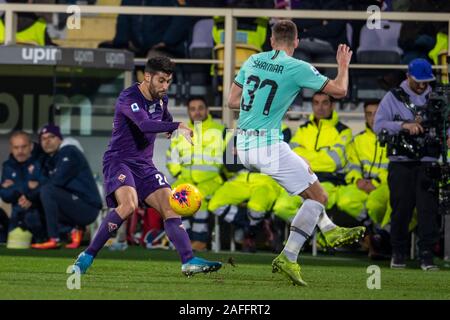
[258,84]
[162,180]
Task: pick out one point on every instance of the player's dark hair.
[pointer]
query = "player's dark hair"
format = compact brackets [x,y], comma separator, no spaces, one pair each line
[192,98]
[18,133]
[326,94]
[284,31]
[160,64]
[371,102]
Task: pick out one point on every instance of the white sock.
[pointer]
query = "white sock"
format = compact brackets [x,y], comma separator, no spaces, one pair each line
[325,224]
[302,227]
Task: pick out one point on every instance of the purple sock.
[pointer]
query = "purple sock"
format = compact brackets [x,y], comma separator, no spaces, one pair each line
[179,237]
[111,223]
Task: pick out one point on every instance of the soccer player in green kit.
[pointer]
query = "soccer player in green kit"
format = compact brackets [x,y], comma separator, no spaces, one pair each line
[263,90]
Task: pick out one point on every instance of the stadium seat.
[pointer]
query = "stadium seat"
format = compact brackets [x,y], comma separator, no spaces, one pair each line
[242,53]
[384,39]
[197,76]
[202,40]
[94,29]
[377,46]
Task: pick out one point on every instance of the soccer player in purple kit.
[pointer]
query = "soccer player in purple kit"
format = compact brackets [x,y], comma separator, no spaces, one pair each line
[130,177]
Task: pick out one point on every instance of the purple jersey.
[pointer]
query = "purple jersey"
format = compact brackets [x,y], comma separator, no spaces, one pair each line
[136,123]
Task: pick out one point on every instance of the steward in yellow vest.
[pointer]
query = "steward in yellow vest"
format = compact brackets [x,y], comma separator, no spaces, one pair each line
[31,30]
[199,164]
[366,194]
[251,31]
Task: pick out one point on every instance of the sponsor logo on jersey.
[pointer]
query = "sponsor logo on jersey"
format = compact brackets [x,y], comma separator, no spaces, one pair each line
[314,70]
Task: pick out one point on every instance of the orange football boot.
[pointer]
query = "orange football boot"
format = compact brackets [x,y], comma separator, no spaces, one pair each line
[76,236]
[50,244]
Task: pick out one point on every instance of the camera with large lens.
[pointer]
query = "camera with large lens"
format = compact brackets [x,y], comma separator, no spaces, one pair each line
[433,117]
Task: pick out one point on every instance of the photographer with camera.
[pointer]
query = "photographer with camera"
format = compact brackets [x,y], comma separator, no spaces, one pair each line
[409,182]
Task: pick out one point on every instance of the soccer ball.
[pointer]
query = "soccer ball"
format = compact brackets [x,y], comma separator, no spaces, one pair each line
[185,199]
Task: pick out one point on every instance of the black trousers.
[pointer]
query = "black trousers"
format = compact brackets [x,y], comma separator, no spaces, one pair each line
[409,187]
[62,208]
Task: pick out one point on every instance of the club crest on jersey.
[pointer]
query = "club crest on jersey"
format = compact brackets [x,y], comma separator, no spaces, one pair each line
[30,169]
[112,227]
[314,70]
[122,178]
[134,107]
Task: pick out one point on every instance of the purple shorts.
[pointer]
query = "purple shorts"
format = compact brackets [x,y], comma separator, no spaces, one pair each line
[145,179]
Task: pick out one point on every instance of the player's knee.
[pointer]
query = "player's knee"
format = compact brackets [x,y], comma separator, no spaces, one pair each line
[322,197]
[166,211]
[126,209]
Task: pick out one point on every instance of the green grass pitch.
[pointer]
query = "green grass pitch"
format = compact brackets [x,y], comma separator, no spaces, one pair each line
[138,273]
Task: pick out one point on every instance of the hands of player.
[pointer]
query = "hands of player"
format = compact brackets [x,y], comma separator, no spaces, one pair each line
[343,55]
[186,132]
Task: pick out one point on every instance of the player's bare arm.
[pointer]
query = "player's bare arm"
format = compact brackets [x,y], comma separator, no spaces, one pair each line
[339,86]
[234,98]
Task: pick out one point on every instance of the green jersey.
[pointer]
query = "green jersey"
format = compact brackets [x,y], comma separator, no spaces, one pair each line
[270,81]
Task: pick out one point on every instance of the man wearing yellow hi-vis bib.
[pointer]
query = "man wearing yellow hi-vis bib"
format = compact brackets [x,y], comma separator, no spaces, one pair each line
[366,195]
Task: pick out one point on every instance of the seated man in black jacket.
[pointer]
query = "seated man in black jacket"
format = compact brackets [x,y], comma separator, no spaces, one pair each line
[21,180]
[70,196]
[146,34]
